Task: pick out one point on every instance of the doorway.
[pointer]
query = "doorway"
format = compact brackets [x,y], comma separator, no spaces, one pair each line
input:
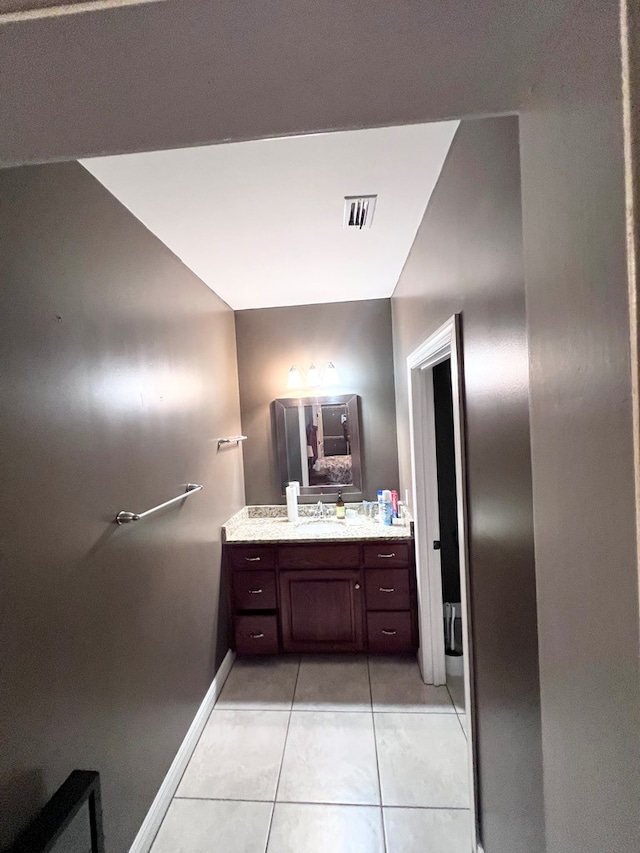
[449,543]
[436,421]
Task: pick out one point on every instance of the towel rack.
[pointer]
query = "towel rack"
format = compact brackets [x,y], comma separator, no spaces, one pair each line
[43,833]
[124,517]
[234,439]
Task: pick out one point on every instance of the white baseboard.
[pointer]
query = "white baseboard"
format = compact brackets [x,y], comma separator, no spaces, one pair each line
[151,824]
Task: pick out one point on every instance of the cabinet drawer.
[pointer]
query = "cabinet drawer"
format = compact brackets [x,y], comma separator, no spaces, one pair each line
[256,635]
[389,632]
[386,554]
[252,556]
[345,556]
[254,590]
[387,589]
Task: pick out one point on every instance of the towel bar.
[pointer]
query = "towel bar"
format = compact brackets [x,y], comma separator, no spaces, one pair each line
[125,517]
[235,439]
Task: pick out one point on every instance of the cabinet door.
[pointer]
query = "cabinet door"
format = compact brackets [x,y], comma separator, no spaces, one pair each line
[321,610]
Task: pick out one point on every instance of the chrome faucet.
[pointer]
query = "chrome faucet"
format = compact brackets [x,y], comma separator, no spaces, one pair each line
[319,510]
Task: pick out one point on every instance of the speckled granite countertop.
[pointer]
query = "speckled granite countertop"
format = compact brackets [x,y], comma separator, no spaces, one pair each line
[269,524]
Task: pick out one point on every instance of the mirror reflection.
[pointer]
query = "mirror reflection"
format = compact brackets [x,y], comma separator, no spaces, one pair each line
[318,443]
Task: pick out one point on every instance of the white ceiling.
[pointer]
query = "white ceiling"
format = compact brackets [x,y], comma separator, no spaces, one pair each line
[261,222]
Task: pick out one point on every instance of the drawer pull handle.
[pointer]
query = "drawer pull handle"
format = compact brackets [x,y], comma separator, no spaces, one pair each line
[389,633]
[255,591]
[252,559]
[256,636]
[387,589]
[386,556]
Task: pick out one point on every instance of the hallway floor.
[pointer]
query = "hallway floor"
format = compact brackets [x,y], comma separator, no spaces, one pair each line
[325,755]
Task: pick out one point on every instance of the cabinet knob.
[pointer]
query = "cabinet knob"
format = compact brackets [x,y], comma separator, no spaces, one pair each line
[387,556]
[255,591]
[387,589]
[252,559]
[256,636]
[389,633]
[357,586]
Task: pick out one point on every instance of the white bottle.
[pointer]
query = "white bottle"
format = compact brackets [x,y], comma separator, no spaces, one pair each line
[292,503]
[295,483]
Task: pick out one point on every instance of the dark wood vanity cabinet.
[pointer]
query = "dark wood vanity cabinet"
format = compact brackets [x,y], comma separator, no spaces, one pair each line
[321,610]
[323,597]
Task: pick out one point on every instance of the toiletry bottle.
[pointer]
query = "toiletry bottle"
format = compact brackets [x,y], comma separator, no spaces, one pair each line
[394,502]
[387,514]
[380,507]
[340,506]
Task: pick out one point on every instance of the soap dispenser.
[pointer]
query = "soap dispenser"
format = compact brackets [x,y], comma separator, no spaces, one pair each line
[340,512]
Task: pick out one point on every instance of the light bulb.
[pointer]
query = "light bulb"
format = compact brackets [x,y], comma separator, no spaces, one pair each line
[331,374]
[294,379]
[313,376]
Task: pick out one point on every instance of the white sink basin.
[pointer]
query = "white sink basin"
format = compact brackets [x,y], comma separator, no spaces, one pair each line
[319,526]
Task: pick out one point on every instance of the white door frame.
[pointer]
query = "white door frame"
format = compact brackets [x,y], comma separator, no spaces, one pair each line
[442,344]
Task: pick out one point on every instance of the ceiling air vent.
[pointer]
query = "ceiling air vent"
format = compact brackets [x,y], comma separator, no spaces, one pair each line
[358,211]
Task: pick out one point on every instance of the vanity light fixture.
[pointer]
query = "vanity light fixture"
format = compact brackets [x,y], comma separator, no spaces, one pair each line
[294,379]
[313,376]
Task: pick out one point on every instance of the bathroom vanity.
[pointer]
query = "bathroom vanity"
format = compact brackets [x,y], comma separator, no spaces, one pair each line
[319,586]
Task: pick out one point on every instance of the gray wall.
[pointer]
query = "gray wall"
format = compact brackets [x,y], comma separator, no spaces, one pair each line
[356,336]
[118,371]
[169,75]
[582,452]
[467,257]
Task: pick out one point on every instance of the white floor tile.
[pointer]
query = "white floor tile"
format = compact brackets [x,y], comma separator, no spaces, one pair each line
[333,683]
[422,760]
[238,756]
[207,826]
[330,758]
[455,683]
[265,683]
[299,828]
[396,685]
[427,831]
[463,720]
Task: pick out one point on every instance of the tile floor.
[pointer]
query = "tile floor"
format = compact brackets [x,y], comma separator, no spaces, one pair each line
[325,755]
